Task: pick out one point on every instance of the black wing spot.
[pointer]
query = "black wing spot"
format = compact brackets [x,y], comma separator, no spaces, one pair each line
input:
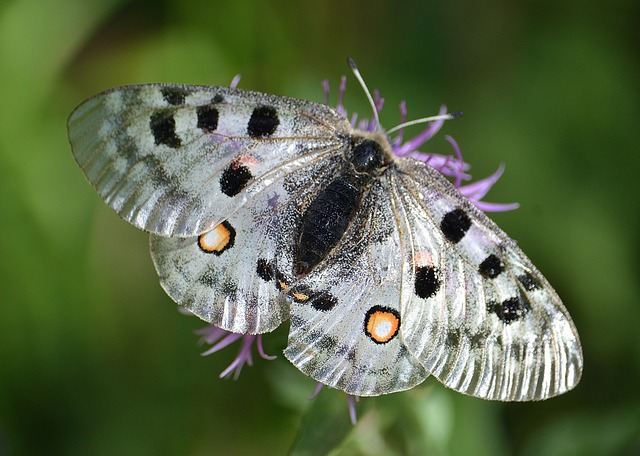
[263,123]
[327,342]
[218,98]
[427,282]
[528,281]
[208,278]
[511,309]
[491,267]
[455,225]
[235,178]
[163,127]
[157,173]
[174,95]
[207,118]
[453,338]
[265,270]
[323,301]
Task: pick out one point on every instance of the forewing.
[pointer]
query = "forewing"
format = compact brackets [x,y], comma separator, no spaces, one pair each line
[477,313]
[346,321]
[176,160]
[234,276]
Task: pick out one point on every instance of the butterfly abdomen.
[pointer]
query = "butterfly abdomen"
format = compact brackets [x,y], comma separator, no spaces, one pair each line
[325,222]
[329,214]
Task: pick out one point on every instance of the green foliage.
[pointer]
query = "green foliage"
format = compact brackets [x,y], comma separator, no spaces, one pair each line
[95,359]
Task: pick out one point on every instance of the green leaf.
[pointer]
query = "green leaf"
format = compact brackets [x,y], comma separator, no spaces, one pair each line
[325,425]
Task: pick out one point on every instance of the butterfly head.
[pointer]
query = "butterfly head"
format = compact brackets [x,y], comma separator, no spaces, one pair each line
[395,146]
[371,153]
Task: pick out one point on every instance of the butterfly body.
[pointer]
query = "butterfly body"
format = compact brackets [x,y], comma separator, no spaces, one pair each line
[264,208]
[329,214]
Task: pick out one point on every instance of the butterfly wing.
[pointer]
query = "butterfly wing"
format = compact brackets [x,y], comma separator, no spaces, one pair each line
[346,315]
[476,312]
[175,160]
[235,275]
[423,282]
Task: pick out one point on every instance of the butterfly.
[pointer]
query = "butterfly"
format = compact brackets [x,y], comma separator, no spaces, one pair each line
[264,208]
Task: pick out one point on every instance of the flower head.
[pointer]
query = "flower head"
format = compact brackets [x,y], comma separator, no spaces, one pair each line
[449,165]
[220,338]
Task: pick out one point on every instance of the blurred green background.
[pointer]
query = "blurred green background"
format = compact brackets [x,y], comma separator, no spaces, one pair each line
[95,359]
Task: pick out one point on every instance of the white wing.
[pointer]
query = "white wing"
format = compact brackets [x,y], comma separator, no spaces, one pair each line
[476,312]
[234,276]
[346,318]
[176,160]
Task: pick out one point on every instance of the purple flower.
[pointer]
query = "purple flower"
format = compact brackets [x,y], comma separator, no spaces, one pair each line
[212,335]
[449,165]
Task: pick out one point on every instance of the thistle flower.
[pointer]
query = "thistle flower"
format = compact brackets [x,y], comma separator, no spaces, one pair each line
[449,165]
[452,166]
[219,338]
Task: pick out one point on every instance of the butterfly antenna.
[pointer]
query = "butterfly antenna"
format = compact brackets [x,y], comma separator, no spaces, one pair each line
[448,116]
[356,73]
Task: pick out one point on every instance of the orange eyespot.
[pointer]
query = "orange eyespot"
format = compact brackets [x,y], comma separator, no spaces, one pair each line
[218,239]
[382,324]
